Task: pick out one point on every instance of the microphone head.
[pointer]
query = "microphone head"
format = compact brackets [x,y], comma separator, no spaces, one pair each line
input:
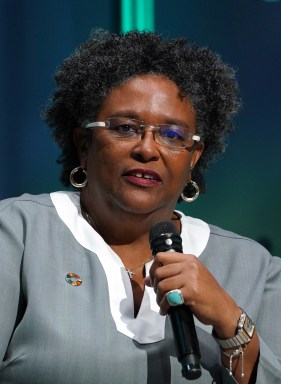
[164,237]
[162,227]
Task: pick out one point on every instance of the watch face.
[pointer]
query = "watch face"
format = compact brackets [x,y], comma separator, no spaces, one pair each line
[249,326]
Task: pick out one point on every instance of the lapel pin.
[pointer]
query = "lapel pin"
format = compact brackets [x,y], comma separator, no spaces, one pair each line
[73,279]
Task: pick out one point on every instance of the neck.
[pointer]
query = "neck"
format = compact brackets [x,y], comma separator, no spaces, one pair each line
[124,228]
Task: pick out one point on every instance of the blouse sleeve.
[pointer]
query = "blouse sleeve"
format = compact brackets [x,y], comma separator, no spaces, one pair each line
[11,250]
[268,324]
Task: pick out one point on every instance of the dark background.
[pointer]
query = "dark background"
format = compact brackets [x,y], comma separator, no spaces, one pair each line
[243,187]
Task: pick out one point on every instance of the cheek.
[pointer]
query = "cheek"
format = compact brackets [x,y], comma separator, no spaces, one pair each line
[180,165]
[104,154]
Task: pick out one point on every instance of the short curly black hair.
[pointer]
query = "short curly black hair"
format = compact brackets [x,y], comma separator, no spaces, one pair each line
[107,60]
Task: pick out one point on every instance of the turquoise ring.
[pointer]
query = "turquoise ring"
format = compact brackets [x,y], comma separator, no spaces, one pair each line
[174,297]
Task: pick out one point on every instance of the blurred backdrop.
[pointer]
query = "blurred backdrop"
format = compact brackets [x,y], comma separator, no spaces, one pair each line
[244,187]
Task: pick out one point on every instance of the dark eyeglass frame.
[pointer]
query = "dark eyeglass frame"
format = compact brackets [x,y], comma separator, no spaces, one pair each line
[139,129]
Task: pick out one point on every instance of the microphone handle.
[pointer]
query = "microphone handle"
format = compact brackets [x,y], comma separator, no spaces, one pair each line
[186,341]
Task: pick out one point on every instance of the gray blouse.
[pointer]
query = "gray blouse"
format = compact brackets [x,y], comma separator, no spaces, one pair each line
[66,305]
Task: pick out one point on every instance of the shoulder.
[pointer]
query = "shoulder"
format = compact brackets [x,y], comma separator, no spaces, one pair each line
[231,253]
[234,240]
[25,199]
[22,217]
[25,208]
[222,243]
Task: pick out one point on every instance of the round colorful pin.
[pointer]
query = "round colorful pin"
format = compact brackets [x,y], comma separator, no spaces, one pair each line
[73,279]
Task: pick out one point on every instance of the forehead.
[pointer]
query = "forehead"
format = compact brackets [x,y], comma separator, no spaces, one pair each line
[150,96]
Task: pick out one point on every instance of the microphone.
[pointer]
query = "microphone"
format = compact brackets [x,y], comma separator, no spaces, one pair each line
[164,237]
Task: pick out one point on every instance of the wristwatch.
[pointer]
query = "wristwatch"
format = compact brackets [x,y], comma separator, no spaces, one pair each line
[244,333]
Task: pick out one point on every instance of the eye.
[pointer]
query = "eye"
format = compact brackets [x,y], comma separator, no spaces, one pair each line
[172,132]
[123,127]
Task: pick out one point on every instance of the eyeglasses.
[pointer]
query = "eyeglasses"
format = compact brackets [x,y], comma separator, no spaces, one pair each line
[173,136]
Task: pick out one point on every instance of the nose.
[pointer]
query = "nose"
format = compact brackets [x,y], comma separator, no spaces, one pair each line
[146,149]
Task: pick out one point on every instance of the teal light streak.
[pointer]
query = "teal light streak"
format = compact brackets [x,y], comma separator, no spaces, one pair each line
[137,15]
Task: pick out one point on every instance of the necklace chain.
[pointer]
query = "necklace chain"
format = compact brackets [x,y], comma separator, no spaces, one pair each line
[92,223]
[130,270]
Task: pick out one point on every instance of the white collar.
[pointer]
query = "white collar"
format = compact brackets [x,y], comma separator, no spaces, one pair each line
[148,326]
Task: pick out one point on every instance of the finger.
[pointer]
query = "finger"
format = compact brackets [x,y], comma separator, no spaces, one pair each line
[166,304]
[165,286]
[155,265]
[162,259]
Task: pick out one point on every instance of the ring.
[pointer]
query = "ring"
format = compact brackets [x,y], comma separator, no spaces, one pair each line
[174,297]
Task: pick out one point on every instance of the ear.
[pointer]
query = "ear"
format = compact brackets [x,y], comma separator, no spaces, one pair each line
[197,152]
[81,141]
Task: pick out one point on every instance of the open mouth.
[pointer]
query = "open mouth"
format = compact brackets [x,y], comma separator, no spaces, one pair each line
[142,174]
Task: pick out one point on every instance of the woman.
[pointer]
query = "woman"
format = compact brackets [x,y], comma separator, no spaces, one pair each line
[138,119]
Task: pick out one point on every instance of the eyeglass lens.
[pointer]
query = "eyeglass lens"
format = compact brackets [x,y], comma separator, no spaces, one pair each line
[169,135]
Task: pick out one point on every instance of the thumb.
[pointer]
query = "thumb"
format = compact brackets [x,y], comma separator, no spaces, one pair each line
[147,281]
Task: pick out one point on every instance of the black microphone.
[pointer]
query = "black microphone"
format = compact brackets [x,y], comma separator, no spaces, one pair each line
[164,237]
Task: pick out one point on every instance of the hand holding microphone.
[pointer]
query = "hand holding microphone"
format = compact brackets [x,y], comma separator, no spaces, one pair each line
[183,278]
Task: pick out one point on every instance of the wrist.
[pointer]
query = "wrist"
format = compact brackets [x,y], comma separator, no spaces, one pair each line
[227,326]
[243,334]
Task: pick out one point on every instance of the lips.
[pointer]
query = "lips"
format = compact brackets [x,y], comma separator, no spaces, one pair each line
[145,177]
[143,173]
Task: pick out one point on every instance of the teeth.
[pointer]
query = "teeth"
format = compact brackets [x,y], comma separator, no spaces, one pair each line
[145,176]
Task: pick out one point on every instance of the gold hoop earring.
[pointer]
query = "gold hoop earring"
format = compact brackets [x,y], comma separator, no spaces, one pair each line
[188,199]
[75,171]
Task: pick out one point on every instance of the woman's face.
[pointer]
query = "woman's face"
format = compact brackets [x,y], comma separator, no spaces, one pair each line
[139,176]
